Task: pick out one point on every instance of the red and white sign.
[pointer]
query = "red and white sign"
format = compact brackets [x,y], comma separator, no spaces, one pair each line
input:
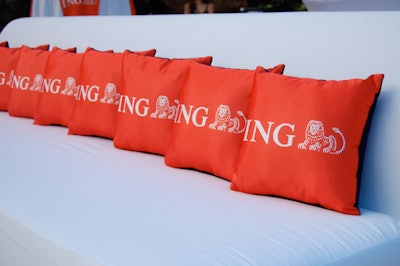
[47,8]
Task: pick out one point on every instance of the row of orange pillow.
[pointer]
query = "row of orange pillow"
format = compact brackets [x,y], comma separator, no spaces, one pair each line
[267,133]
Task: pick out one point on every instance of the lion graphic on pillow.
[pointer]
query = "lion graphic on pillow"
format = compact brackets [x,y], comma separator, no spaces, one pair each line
[10,78]
[163,108]
[110,95]
[70,87]
[315,139]
[37,83]
[224,122]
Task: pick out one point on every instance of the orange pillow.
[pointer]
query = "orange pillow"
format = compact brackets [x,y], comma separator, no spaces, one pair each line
[149,101]
[302,139]
[8,60]
[211,119]
[99,94]
[57,99]
[27,80]
[4,44]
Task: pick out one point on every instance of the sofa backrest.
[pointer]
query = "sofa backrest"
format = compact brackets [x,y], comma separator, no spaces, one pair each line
[326,45]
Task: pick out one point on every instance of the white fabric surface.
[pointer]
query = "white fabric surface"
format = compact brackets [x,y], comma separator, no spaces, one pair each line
[119,207]
[20,246]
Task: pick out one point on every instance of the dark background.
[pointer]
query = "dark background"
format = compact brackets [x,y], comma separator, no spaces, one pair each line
[12,9]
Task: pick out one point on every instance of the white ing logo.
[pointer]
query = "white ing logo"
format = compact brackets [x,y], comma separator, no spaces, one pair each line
[2,78]
[22,82]
[283,136]
[110,95]
[182,113]
[163,108]
[37,83]
[70,88]
[91,93]
[10,78]
[315,139]
[279,137]
[40,84]
[224,122]
[79,92]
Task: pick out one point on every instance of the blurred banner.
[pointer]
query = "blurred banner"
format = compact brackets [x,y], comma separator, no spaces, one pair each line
[80,8]
[46,8]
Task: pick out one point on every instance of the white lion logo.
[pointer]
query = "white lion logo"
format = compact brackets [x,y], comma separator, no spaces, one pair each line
[10,78]
[110,95]
[37,83]
[70,87]
[163,109]
[315,139]
[224,122]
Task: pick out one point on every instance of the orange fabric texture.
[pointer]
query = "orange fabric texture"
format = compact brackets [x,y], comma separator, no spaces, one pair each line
[302,138]
[8,60]
[277,69]
[150,52]
[99,94]
[150,101]
[27,81]
[56,102]
[211,119]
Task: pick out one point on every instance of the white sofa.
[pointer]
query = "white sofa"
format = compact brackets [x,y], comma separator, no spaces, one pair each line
[74,200]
